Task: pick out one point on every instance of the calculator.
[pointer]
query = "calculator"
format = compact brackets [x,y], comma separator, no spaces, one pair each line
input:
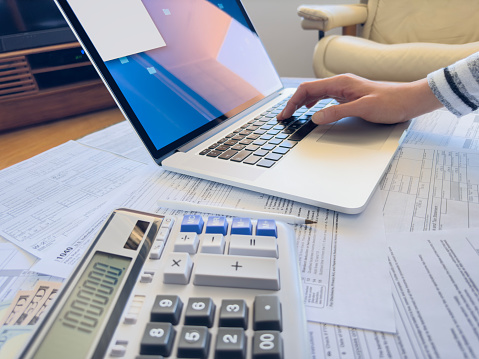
[191,286]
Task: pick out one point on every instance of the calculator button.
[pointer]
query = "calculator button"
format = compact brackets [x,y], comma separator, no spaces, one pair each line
[213,243]
[194,342]
[177,269]
[162,234]
[217,225]
[118,351]
[157,249]
[187,242]
[236,271]
[267,313]
[241,226]
[167,222]
[157,339]
[258,246]
[166,308]
[200,311]
[234,313]
[146,277]
[267,344]
[266,227]
[192,223]
[230,343]
[130,319]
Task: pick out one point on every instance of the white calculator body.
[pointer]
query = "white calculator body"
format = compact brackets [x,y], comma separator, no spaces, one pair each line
[193,286]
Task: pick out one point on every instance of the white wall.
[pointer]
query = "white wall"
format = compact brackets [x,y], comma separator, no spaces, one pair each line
[279,27]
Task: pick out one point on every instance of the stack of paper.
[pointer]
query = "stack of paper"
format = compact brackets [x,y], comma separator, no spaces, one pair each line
[398,280]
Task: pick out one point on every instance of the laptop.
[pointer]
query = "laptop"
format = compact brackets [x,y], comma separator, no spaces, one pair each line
[200,90]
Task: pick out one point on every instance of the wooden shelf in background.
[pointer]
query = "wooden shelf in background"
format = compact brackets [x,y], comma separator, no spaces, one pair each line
[32,94]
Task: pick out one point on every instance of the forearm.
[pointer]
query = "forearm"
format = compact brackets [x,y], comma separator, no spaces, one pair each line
[457,86]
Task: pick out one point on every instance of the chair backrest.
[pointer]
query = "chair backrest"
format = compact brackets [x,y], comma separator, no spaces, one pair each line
[436,21]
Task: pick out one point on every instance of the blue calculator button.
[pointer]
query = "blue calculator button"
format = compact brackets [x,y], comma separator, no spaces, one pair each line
[217,225]
[192,223]
[266,227]
[241,226]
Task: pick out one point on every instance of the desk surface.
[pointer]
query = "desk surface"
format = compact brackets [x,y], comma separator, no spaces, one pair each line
[20,144]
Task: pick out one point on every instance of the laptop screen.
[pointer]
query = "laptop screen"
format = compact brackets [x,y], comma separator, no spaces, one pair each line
[178,68]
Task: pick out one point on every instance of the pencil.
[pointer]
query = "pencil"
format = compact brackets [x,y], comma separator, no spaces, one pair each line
[235,212]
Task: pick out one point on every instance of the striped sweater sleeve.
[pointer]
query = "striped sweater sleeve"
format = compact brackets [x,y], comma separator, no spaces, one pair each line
[457,86]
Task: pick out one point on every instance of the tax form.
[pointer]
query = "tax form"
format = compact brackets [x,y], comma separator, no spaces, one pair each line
[436,296]
[431,221]
[433,181]
[45,200]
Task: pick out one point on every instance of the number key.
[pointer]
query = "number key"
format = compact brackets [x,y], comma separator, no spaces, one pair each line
[230,343]
[158,338]
[166,308]
[267,344]
[234,313]
[200,311]
[194,342]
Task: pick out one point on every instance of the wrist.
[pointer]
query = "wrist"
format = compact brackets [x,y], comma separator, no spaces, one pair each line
[422,98]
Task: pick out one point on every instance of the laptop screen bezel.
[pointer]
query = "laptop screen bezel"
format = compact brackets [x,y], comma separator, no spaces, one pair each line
[121,101]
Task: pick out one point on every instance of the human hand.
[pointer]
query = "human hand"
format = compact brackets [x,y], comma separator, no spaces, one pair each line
[379,102]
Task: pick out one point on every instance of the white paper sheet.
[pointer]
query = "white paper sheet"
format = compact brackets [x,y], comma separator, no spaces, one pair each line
[48,200]
[121,140]
[435,277]
[433,181]
[118,28]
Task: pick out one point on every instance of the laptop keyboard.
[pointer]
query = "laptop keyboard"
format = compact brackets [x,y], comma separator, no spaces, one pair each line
[264,141]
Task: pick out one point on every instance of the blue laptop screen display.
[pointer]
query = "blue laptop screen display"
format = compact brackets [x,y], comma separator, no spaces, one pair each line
[210,66]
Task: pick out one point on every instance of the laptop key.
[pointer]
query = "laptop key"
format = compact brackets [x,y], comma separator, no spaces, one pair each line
[281,150]
[261,153]
[222,148]
[288,144]
[259,131]
[266,137]
[214,153]
[275,141]
[251,160]
[227,154]
[252,148]
[238,137]
[266,163]
[245,141]
[274,157]
[240,156]
[303,131]
[267,147]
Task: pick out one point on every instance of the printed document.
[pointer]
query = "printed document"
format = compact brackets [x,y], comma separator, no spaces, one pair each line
[436,295]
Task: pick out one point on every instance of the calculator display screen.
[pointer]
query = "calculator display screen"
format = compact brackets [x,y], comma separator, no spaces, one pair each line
[79,321]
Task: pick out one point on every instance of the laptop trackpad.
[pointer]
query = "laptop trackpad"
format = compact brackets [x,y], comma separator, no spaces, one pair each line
[354,131]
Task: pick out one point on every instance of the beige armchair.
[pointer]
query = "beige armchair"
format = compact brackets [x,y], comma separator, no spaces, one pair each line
[392,40]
